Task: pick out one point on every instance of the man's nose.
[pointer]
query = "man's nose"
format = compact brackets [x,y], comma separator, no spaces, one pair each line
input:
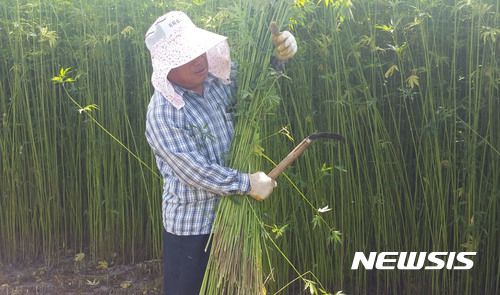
[198,60]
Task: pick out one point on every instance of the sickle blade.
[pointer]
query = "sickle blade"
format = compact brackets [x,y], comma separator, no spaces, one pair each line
[299,149]
[328,135]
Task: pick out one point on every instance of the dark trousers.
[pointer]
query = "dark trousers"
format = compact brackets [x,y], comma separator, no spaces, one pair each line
[184,263]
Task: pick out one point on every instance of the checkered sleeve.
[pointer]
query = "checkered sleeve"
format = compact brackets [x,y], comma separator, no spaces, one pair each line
[179,150]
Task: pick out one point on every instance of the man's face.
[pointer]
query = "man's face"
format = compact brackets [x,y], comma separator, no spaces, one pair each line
[192,74]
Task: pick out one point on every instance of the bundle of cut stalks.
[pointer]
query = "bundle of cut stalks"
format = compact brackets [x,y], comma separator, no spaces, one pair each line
[235,265]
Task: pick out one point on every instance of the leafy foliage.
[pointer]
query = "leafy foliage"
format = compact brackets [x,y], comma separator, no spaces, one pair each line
[412,85]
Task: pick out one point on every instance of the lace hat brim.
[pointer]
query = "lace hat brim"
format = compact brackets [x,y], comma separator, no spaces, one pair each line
[173,41]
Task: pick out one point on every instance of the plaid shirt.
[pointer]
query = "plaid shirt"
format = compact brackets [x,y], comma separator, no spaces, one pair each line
[190,146]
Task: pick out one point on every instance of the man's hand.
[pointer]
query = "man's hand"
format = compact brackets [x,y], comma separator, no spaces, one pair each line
[284,42]
[261,186]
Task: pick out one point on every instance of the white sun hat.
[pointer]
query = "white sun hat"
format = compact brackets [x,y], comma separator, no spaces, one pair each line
[173,40]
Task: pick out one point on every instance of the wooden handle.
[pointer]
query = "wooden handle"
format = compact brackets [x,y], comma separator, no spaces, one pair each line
[292,156]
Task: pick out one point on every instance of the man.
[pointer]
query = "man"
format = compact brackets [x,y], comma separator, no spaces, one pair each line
[190,131]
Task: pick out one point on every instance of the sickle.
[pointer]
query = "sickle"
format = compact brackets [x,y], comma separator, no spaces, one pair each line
[299,149]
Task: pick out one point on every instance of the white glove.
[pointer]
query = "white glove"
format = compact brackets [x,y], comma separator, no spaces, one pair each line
[286,45]
[261,186]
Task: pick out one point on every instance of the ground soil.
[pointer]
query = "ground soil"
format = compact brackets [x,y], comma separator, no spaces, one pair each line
[75,278]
